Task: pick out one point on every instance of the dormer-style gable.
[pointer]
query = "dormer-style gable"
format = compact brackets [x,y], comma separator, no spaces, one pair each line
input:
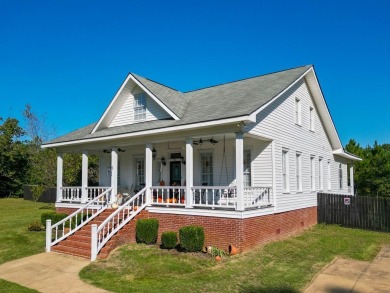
[139,100]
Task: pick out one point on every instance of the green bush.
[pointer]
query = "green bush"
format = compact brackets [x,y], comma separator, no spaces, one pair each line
[147,231]
[169,239]
[191,238]
[35,226]
[54,217]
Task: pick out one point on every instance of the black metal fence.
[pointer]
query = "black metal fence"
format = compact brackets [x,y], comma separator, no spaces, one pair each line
[354,211]
[49,195]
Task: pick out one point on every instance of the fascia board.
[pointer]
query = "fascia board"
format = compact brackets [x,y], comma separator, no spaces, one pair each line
[341,153]
[330,127]
[111,104]
[151,132]
[157,100]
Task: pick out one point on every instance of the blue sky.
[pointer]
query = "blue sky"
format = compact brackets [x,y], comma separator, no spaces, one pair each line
[68,58]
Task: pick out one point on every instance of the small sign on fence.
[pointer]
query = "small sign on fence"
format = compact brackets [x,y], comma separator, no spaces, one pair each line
[347,201]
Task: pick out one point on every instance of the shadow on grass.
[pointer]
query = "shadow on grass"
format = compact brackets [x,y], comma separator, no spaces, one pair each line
[254,289]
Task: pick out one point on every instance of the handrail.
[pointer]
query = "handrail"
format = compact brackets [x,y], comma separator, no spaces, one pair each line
[78,219]
[100,235]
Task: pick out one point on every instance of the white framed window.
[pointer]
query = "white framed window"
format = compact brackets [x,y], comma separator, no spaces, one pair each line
[298,112]
[140,106]
[247,168]
[340,176]
[140,172]
[312,173]
[285,171]
[329,177]
[321,173]
[311,116]
[206,169]
[298,168]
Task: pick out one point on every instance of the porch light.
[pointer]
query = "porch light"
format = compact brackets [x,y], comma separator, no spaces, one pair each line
[154,153]
[163,161]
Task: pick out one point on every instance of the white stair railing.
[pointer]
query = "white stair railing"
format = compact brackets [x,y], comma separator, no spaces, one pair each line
[257,196]
[59,231]
[120,217]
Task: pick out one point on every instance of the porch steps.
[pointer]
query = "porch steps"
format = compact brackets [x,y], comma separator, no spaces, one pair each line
[79,243]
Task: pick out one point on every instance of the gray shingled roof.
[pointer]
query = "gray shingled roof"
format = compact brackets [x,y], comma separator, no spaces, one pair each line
[173,99]
[223,101]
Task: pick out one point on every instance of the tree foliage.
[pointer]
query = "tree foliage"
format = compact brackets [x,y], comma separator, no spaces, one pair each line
[13,158]
[23,160]
[372,174]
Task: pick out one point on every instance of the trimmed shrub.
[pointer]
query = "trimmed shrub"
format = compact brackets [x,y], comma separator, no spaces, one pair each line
[54,217]
[191,238]
[35,226]
[169,239]
[146,231]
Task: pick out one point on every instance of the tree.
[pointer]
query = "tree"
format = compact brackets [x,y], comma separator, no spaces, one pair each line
[42,162]
[372,174]
[14,158]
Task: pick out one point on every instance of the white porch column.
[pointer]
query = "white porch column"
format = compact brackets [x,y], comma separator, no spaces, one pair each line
[240,170]
[114,173]
[60,164]
[148,172]
[189,172]
[84,177]
[352,182]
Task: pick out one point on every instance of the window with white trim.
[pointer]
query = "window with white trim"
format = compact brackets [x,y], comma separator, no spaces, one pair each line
[140,106]
[247,168]
[298,169]
[298,114]
[207,169]
[329,177]
[140,172]
[285,173]
[311,123]
[321,174]
[312,173]
[340,176]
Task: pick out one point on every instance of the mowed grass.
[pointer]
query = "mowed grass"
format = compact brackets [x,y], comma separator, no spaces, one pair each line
[16,241]
[283,266]
[9,287]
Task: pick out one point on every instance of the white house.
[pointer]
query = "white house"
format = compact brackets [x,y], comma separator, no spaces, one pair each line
[244,159]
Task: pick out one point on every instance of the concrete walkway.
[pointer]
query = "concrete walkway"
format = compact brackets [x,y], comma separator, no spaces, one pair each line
[344,275]
[48,272]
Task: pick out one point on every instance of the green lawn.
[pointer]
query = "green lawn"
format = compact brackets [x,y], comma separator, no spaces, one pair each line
[9,287]
[15,239]
[284,266]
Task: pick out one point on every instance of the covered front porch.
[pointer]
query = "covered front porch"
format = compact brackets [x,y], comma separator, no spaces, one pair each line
[225,171]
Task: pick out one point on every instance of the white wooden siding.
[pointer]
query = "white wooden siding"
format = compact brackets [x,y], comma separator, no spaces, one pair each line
[277,122]
[261,163]
[125,114]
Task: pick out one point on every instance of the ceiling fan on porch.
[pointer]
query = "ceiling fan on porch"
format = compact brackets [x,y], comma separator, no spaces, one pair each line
[107,151]
[201,141]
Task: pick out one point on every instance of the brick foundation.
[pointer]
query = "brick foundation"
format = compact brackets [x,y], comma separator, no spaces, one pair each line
[242,233]
[221,232]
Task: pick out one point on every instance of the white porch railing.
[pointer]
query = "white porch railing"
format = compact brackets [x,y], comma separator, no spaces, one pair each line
[94,191]
[59,231]
[214,196]
[71,193]
[256,196]
[168,195]
[100,235]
